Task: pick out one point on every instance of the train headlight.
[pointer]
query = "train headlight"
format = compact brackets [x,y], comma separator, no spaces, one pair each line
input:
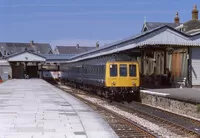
[113,83]
[134,84]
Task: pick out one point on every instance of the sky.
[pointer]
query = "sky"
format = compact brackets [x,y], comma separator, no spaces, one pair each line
[68,22]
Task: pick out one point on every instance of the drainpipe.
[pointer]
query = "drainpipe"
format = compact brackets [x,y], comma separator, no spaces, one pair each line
[189,72]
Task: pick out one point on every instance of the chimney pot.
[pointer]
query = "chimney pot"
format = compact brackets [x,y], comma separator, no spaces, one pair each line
[32,42]
[176,19]
[97,44]
[195,13]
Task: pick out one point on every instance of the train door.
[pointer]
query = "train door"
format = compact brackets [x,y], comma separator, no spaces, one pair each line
[134,75]
[111,74]
[123,74]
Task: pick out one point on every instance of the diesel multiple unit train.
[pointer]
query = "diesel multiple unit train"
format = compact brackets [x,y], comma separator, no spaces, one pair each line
[114,79]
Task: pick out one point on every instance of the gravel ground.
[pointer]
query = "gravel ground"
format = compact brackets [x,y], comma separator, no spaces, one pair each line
[145,123]
[165,133]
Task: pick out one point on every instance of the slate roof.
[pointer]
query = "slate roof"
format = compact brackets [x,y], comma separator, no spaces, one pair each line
[57,57]
[152,25]
[25,51]
[73,49]
[11,48]
[191,25]
[48,57]
[119,45]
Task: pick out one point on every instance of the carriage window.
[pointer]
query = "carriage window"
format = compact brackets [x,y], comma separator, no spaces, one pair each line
[113,70]
[123,70]
[132,70]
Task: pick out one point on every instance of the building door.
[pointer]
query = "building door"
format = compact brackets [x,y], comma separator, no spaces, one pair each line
[17,71]
[179,65]
[176,65]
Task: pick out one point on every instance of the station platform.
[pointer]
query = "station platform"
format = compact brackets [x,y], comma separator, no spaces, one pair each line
[191,95]
[33,108]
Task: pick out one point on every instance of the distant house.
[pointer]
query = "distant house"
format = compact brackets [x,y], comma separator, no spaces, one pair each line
[72,50]
[9,48]
[152,25]
[190,27]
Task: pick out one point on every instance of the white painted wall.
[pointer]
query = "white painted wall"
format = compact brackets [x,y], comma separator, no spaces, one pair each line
[5,69]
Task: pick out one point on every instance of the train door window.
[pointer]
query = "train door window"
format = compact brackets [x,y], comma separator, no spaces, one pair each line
[123,70]
[132,70]
[113,70]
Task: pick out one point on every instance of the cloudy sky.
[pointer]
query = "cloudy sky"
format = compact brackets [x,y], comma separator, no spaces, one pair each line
[67,22]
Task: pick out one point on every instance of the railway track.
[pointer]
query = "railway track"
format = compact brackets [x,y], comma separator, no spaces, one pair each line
[123,127]
[169,120]
[180,125]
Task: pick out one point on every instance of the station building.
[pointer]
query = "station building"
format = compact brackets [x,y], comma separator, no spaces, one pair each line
[34,60]
[20,58]
[183,61]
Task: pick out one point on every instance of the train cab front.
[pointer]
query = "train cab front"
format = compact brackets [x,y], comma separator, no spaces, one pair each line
[123,80]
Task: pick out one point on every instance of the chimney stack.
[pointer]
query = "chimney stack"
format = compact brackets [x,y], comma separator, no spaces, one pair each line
[97,44]
[77,46]
[33,48]
[32,42]
[176,19]
[195,13]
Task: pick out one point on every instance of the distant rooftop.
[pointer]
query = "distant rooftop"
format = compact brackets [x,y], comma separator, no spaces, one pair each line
[152,25]
[57,57]
[72,49]
[9,48]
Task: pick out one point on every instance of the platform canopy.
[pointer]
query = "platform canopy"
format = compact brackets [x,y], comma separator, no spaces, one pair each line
[26,56]
[160,36]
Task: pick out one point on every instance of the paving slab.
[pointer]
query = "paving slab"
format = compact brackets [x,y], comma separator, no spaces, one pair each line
[33,108]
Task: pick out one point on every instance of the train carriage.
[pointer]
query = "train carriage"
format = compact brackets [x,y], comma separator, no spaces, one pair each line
[111,78]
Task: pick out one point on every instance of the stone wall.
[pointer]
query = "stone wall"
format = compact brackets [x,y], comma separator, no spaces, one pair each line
[172,105]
